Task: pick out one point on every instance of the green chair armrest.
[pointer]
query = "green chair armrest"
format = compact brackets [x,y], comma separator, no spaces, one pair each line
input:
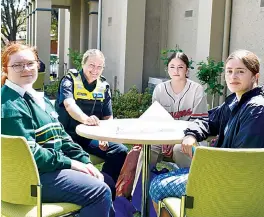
[173,205]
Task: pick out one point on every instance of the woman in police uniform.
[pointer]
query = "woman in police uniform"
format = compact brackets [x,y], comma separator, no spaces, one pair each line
[84,97]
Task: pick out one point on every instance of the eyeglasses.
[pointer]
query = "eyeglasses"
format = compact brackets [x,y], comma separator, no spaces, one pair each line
[92,67]
[19,67]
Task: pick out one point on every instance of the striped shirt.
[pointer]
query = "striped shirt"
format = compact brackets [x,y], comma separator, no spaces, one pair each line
[189,104]
[51,146]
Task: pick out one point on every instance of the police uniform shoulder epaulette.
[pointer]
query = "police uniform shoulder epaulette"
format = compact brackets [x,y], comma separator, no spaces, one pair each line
[67,76]
[102,78]
[104,82]
[73,71]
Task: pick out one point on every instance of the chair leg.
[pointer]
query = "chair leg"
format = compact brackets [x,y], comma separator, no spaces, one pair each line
[160,206]
[182,211]
[39,201]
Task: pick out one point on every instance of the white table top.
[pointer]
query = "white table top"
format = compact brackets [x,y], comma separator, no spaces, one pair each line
[136,131]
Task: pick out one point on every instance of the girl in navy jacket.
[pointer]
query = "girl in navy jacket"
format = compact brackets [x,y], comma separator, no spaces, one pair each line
[238,122]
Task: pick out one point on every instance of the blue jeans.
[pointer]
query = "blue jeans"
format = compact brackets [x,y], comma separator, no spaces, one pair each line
[114,156]
[72,186]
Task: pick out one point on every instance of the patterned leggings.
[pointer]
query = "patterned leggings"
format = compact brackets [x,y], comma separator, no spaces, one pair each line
[171,184]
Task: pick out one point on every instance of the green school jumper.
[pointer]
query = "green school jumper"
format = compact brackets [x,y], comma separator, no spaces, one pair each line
[51,146]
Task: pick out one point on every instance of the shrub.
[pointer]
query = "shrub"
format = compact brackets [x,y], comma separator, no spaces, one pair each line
[51,90]
[209,74]
[76,58]
[131,104]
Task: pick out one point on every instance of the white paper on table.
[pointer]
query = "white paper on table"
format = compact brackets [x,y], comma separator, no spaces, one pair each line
[156,112]
[149,122]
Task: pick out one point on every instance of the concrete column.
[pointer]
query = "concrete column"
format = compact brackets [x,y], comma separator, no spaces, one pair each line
[210,31]
[30,27]
[75,18]
[33,32]
[67,38]
[61,39]
[93,23]
[164,19]
[42,39]
[123,30]
[84,26]
[28,23]
[204,29]
[156,23]
[134,45]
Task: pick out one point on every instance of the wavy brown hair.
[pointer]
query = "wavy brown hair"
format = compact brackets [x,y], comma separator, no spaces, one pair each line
[249,59]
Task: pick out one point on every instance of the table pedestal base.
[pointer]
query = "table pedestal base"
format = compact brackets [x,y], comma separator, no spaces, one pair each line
[145,181]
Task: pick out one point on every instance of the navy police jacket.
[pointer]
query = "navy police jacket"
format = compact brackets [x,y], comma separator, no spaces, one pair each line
[238,124]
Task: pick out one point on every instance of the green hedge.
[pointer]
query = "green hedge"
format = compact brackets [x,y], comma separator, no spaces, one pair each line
[131,104]
[128,105]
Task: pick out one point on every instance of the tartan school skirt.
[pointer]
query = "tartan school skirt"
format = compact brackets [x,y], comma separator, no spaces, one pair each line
[171,184]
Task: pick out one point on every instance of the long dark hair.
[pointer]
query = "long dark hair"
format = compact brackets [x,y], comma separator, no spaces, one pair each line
[181,56]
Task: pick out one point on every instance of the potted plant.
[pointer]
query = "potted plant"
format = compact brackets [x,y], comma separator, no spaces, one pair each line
[209,74]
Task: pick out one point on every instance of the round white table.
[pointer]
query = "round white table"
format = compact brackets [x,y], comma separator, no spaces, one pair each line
[137,131]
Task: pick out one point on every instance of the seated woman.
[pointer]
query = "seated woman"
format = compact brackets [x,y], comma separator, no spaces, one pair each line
[66,172]
[238,122]
[185,100]
[84,97]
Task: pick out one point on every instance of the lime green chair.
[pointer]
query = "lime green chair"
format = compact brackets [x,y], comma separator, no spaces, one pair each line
[222,183]
[39,83]
[21,187]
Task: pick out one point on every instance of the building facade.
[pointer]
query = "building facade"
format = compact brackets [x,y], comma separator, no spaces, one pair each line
[133,33]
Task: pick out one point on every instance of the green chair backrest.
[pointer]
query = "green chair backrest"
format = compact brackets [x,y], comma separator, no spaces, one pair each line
[19,171]
[226,182]
[39,83]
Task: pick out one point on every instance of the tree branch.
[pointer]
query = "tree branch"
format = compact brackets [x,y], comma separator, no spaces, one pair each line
[13,17]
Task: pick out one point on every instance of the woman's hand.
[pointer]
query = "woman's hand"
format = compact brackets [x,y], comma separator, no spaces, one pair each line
[79,166]
[87,168]
[92,120]
[187,143]
[93,170]
[167,150]
[103,145]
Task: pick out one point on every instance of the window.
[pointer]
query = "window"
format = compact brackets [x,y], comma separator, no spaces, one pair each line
[262,3]
[109,21]
[188,13]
